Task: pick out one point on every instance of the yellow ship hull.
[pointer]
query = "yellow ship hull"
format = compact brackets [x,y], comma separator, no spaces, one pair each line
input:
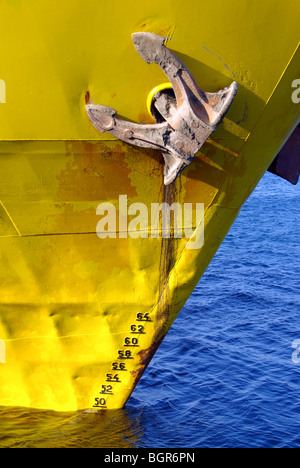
[81,316]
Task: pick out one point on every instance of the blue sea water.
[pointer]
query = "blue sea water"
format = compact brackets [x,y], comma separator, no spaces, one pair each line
[224,375]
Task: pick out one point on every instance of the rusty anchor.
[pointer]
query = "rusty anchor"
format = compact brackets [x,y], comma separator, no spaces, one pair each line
[185,117]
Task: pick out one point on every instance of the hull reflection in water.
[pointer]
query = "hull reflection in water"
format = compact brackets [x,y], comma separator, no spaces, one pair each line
[27,428]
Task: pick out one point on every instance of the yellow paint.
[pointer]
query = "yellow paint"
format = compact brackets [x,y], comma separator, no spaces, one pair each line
[157,89]
[69,299]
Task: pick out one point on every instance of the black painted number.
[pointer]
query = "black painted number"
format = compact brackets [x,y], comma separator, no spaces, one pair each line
[124,354]
[118,366]
[112,378]
[100,402]
[143,317]
[138,329]
[106,389]
[134,342]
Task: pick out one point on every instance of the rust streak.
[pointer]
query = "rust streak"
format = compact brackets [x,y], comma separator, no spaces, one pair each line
[167,262]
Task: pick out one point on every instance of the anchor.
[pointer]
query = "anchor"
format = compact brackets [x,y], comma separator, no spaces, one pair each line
[185,117]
